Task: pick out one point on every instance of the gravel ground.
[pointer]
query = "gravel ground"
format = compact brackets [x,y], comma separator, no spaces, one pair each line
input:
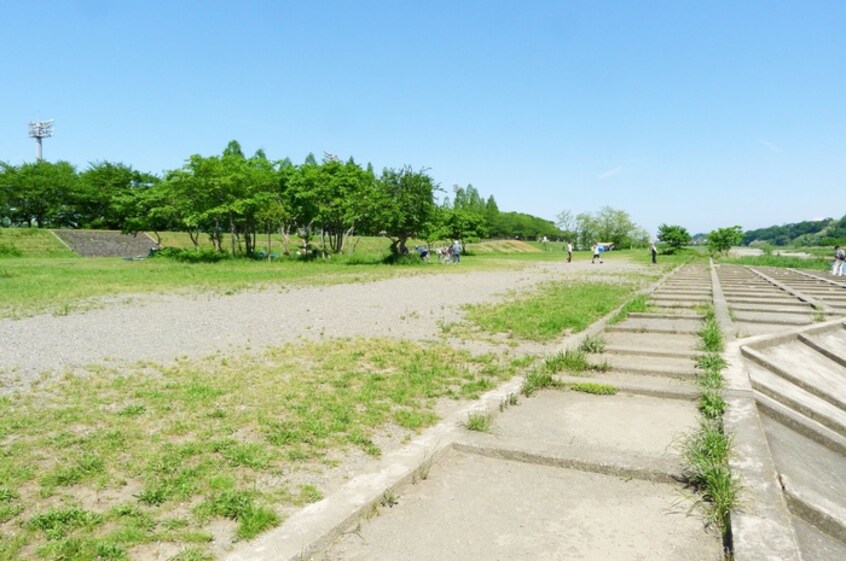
[164,327]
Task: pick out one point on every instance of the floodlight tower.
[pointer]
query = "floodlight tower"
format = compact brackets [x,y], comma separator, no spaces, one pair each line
[39,130]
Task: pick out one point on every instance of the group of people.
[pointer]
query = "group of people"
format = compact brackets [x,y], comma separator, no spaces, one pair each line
[447,254]
[599,249]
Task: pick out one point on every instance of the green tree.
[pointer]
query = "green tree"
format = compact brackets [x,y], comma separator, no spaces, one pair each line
[100,187]
[406,205]
[673,236]
[722,239]
[41,192]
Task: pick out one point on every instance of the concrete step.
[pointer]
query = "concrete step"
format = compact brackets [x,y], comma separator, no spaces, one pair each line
[773,318]
[802,424]
[682,314]
[657,326]
[687,354]
[648,342]
[676,368]
[801,365]
[806,403]
[654,386]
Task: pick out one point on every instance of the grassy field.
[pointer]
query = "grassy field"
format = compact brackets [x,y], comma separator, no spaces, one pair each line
[98,466]
[42,275]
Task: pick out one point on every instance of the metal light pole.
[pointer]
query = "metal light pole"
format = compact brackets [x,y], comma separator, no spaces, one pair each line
[39,130]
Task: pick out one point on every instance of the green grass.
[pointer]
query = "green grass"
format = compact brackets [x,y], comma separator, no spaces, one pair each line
[207,433]
[593,388]
[537,380]
[31,242]
[553,311]
[707,451]
[479,422]
[572,362]
[593,344]
[636,304]
[783,261]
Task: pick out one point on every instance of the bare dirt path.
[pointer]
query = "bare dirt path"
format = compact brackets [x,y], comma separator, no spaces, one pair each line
[164,327]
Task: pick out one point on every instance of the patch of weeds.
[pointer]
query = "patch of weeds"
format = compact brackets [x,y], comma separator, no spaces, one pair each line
[711,361]
[389,499]
[414,419]
[638,304]
[711,336]
[86,466]
[593,344]
[472,390]
[256,520]
[523,361]
[574,362]
[537,380]
[153,496]
[365,444]
[132,411]
[594,388]
[192,554]
[8,505]
[310,494]
[711,404]
[57,521]
[479,422]
[819,315]
[706,454]
[422,471]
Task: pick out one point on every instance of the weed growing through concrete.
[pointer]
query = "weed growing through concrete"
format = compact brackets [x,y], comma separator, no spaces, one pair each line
[707,451]
[710,333]
[593,344]
[573,362]
[537,380]
[479,422]
[593,388]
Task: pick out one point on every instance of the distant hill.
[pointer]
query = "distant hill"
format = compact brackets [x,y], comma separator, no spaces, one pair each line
[827,231]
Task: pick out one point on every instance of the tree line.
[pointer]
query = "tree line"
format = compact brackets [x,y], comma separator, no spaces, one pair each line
[238,200]
[827,231]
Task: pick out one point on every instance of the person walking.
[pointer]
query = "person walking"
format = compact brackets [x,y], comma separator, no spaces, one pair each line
[654,251]
[597,253]
[839,258]
[456,251]
[569,252]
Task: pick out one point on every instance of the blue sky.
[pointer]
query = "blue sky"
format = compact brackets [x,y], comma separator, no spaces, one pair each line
[703,114]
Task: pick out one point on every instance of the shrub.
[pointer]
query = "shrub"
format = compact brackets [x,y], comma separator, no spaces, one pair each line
[192,255]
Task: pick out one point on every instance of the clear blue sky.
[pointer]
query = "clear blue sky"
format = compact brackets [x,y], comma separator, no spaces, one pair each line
[699,113]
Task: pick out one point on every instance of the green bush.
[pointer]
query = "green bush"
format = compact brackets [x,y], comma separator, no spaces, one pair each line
[192,255]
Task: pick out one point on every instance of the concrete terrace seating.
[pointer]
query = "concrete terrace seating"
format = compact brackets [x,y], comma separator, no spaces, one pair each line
[105,243]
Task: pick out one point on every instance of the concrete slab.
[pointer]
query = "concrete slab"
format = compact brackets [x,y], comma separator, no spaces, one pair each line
[773,318]
[658,325]
[622,423]
[505,510]
[680,341]
[670,367]
[806,368]
[826,475]
[817,545]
